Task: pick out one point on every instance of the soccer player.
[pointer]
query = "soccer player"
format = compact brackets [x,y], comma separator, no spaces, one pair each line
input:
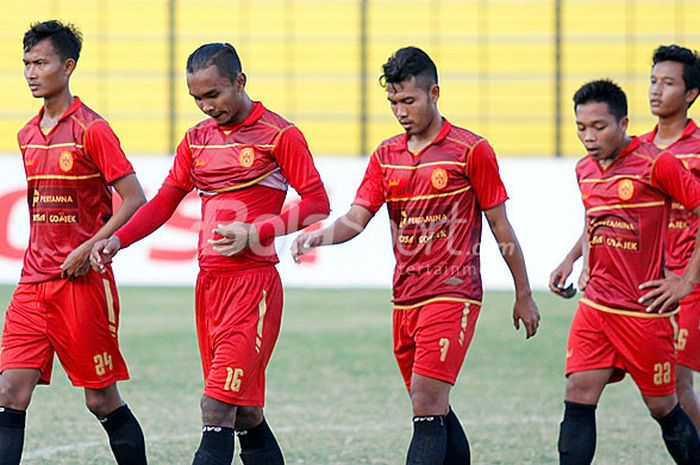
[72,161]
[240,160]
[622,324]
[674,86]
[436,180]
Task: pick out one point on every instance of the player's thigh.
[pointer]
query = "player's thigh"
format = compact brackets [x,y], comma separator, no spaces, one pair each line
[244,316]
[647,348]
[83,328]
[443,334]
[588,348]
[688,332]
[25,343]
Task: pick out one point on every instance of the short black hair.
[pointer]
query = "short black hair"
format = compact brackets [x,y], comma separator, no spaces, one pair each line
[409,62]
[688,58]
[221,55]
[603,91]
[67,40]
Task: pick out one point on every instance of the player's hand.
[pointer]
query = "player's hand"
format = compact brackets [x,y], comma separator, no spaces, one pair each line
[77,263]
[557,279]
[235,237]
[304,243]
[525,310]
[665,293]
[103,251]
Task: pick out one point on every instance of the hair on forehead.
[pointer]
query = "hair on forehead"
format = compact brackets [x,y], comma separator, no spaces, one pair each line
[603,91]
[221,55]
[66,39]
[406,63]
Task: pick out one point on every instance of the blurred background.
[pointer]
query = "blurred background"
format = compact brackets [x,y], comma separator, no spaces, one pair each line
[508,68]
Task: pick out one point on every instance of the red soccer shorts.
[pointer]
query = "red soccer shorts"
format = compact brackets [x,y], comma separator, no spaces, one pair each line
[642,347]
[239,314]
[77,319]
[432,339]
[688,341]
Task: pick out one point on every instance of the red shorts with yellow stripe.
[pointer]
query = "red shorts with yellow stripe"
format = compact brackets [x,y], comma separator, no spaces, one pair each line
[432,339]
[688,342]
[77,319]
[642,346]
[238,314]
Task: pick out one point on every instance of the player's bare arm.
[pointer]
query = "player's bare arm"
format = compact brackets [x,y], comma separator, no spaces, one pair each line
[342,230]
[525,309]
[665,293]
[78,261]
[558,277]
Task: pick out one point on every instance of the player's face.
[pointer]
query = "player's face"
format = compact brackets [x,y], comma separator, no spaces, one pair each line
[217,96]
[667,94]
[45,72]
[413,106]
[600,132]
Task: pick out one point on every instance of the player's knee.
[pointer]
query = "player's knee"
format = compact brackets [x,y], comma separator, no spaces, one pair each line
[102,402]
[248,417]
[14,394]
[428,403]
[217,413]
[581,392]
[660,406]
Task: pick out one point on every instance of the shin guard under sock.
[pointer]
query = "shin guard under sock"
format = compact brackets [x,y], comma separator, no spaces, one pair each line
[577,434]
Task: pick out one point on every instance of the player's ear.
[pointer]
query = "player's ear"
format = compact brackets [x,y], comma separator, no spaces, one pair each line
[624,123]
[434,93]
[69,66]
[691,95]
[240,81]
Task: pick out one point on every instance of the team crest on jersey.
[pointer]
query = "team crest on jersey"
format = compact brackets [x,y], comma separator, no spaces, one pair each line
[439,178]
[246,157]
[625,189]
[65,161]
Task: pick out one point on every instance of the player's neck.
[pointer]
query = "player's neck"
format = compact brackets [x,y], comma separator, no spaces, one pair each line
[670,128]
[418,142]
[611,159]
[56,105]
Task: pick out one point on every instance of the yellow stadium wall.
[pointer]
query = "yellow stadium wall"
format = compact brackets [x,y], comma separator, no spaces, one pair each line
[496,60]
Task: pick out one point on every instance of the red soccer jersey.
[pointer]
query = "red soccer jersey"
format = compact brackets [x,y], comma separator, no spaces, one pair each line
[435,199]
[627,207]
[241,173]
[683,225]
[69,171]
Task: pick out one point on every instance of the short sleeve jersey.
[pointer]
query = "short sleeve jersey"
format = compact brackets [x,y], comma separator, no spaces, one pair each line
[242,173]
[435,199]
[69,171]
[683,225]
[627,208]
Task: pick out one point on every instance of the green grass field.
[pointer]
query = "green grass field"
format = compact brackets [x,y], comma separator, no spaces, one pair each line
[334,393]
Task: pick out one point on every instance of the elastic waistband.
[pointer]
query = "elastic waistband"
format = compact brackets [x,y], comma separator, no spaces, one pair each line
[232,272]
[436,300]
[620,311]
